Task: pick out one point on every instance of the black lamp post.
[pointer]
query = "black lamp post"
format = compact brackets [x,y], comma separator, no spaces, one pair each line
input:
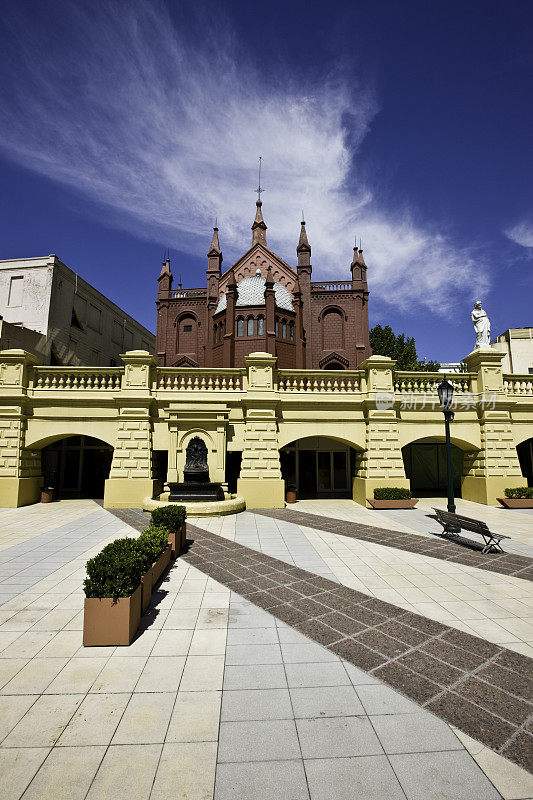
[445,390]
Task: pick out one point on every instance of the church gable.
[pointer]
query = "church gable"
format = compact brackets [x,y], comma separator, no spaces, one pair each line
[260,258]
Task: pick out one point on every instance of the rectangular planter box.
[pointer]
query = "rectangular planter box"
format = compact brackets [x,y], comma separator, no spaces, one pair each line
[108,622]
[177,540]
[407,503]
[159,566]
[147,582]
[515,502]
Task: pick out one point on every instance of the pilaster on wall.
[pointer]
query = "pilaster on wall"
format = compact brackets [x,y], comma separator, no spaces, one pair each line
[20,468]
[260,481]
[381,463]
[495,466]
[131,476]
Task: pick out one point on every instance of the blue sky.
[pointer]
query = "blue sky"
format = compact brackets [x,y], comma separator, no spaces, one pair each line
[127,127]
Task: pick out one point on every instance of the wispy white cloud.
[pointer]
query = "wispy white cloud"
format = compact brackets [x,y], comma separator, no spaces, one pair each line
[162,124]
[521,233]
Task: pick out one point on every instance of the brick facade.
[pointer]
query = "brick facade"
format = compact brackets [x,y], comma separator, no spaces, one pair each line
[261,304]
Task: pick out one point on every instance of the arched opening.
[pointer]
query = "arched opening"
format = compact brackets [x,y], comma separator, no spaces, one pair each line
[186,326]
[260,326]
[76,466]
[332,329]
[240,326]
[525,456]
[250,326]
[333,365]
[318,467]
[426,467]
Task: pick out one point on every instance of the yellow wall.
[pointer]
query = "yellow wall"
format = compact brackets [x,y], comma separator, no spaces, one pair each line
[377,412]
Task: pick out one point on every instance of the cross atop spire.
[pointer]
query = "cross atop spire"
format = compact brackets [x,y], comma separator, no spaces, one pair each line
[259,189]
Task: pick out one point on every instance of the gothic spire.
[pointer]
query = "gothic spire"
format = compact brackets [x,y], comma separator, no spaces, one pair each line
[259,227]
[303,244]
[215,244]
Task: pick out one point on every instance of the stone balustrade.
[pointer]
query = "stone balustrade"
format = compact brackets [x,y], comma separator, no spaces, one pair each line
[84,378]
[518,384]
[406,381]
[319,381]
[199,380]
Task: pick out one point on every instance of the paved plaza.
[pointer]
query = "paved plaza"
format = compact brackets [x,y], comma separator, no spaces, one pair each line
[315,653]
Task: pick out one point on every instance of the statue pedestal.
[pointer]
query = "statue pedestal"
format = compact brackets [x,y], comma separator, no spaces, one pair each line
[195,492]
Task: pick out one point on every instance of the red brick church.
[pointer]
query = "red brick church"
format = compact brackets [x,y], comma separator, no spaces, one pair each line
[262,304]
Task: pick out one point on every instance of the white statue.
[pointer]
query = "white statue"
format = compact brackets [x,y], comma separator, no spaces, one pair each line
[481,325]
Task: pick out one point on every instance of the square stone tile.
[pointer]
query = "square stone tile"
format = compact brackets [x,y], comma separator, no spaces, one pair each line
[17,768]
[256,676]
[249,636]
[336,737]
[35,676]
[414,733]
[209,642]
[126,771]
[309,675]
[256,704]
[145,719]
[366,777]
[77,676]
[161,674]
[66,774]
[195,717]
[120,674]
[358,676]
[433,776]
[202,674]
[380,699]
[172,643]
[12,709]
[95,721]
[253,654]
[266,780]
[266,740]
[305,653]
[45,721]
[189,766]
[326,701]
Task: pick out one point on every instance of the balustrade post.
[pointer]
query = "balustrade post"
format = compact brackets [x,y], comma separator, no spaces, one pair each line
[20,468]
[495,467]
[131,478]
[260,481]
[381,463]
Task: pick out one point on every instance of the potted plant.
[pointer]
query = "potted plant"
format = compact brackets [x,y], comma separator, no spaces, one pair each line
[290,496]
[392,497]
[517,498]
[145,549]
[47,490]
[172,517]
[112,609]
[154,541]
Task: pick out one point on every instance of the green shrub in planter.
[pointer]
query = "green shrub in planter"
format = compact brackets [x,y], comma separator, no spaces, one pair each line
[171,517]
[152,542]
[521,493]
[116,571]
[392,493]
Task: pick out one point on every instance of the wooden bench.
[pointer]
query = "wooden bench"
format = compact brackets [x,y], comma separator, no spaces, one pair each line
[451,521]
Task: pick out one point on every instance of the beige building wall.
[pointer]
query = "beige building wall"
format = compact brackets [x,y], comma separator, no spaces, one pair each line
[517,345]
[79,325]
[141,409]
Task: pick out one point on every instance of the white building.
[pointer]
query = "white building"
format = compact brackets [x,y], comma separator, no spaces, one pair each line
[517,344]
[47,309]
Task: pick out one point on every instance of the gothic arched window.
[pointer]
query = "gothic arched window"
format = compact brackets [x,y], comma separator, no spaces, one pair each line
[250,326]
[284,328]
[240,326]
[277,327]
[291,331]
[260,326]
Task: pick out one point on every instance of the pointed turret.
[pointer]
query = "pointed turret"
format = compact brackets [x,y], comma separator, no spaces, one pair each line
[259,227]
[358,267]
[215,250]
[214,269]
[304,249]
[165,277]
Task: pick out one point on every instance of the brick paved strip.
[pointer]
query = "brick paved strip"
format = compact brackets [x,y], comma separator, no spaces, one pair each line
[445,549]
[482,688]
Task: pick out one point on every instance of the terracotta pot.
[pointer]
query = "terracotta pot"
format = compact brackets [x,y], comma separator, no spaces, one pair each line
[290,497]
[516,502]
[47,495]
[147,580]
[159,566]
[409,502]
[109,622]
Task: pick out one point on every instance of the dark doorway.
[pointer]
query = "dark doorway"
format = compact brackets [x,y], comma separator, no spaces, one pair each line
[525,456]
[233,469]
[425,466]
[318,467]
[77,466]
